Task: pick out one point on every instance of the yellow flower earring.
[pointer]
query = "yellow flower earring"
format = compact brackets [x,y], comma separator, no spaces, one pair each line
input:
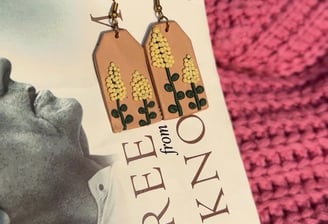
[136,94]
[123,76]
[175,73]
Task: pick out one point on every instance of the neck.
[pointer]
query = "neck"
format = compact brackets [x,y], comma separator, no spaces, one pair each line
[74,203]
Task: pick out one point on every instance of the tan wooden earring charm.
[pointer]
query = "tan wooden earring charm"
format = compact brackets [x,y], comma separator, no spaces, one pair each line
[126,82]
[175,72]
[123,77]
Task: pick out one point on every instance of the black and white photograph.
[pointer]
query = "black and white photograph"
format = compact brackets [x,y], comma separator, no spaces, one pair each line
[47,173]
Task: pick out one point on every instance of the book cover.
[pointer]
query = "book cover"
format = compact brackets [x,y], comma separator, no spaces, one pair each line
[60,159]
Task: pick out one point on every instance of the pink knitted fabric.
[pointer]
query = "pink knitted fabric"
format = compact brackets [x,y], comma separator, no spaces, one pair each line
[272,57]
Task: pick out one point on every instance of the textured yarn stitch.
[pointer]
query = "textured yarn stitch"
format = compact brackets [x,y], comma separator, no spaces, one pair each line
[272,58]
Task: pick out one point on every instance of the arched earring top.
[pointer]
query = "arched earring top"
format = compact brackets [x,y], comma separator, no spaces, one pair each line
[160,15]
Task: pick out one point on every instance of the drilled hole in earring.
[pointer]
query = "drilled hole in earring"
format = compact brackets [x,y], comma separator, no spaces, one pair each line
[167,29]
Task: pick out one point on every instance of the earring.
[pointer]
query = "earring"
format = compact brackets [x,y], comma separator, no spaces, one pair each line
[123,76]
[175,73]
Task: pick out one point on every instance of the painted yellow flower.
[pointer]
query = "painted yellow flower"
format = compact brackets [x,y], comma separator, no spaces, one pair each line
[190,72]
[141,88]
[160,50]
[115,85]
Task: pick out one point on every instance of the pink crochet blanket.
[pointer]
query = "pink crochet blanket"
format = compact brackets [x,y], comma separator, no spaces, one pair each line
[272,57]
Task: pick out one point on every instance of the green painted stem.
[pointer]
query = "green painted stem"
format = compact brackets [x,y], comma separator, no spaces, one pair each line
[118,105]
[196,96]
[177,103]
[147,111]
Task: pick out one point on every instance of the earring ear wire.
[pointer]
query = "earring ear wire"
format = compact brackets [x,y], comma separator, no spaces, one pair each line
[113,15]
[160,15]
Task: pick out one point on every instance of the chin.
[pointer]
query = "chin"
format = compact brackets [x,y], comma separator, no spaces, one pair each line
[69,108]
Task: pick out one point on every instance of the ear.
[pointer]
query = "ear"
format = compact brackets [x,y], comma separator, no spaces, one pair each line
[4,218]
[5,70]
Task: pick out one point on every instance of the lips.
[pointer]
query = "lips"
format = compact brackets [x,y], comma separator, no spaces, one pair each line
[32,95]
[5,69]
[40,99]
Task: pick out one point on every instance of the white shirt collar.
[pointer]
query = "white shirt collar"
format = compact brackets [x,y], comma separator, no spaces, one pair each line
[4,218]
[106,188]
[100,187]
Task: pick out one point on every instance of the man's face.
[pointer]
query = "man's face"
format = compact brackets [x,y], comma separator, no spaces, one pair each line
[41,144]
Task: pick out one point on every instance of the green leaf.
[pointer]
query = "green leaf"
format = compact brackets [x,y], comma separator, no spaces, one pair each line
[115,113]
[143,123]
[202,102]
[190,94]
[152,115]
[151,104]
[192,105]
[173,108]
[124,107]
[168,87]
[175,77]
[141,110]
[200,89]
[128,119]
[180,95]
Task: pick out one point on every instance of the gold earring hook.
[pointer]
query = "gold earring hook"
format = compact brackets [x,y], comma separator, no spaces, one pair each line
[112,16]
[160,15]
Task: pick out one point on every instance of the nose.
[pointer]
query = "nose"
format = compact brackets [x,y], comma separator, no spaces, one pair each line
[5,69]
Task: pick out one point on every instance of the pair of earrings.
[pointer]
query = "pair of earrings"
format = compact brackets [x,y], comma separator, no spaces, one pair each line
[142,85]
